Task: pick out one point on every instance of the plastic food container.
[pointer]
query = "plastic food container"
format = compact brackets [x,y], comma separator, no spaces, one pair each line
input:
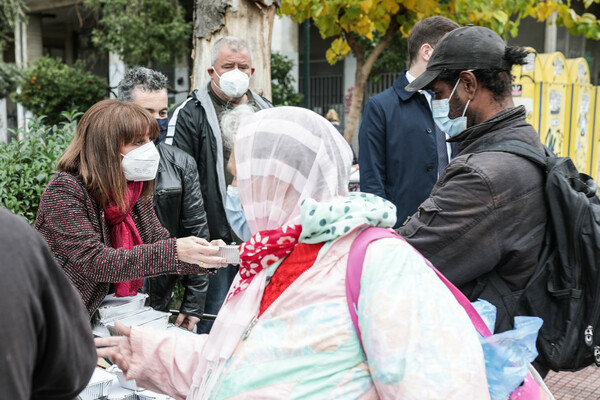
[180,331]
[99,330]
[126,384]
[147,396]
[148,317]
[131,396]
[231,253]
[98,387]
[117,307]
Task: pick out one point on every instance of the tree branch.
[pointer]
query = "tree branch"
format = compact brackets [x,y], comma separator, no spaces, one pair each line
[391,31]
[357,48]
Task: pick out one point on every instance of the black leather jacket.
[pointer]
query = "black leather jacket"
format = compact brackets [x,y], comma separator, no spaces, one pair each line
[179,206]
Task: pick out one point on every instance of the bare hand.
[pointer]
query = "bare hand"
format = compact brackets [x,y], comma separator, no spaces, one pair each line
[218,243]
[187,321]
[116,348]
[195,250]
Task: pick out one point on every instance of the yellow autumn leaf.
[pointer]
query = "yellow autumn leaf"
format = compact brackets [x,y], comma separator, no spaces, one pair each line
[364,27]
[545,10]
[366,5]
[391,6]
[409,4]
[339,48]
[428,7]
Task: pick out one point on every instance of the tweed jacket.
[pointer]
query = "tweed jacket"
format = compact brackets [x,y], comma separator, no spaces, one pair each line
[78,235]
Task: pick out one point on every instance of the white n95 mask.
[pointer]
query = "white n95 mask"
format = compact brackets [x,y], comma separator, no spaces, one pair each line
[141,164]
[233,83]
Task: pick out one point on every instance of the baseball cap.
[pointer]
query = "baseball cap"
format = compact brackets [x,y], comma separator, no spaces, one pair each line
[469,47]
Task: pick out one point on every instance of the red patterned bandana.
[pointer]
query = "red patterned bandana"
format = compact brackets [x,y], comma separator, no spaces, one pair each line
[264,249]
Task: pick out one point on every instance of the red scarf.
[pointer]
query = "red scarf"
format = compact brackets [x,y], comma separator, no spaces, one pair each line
[124,234]
[264,249]
[302,258]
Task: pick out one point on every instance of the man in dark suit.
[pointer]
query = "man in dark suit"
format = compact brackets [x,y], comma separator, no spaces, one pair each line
[401,150]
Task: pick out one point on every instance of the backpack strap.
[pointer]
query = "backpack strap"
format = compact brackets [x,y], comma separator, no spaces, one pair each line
[356,257]
[520,148]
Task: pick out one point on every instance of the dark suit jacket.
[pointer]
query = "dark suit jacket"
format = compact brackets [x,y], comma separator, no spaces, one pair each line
[397,148]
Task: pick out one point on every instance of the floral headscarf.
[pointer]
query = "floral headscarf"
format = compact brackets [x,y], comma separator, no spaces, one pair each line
[283,155]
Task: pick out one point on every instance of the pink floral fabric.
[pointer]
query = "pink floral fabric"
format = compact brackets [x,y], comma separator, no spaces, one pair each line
[263,250]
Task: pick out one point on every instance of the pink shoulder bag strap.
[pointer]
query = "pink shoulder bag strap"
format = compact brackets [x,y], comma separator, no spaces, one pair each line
[531,387]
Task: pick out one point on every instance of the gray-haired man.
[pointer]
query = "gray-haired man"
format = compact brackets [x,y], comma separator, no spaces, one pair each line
[194,126]
[177,195]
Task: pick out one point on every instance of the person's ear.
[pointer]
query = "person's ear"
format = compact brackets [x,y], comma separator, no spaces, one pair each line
[469,83]
[211,71]
[426,51]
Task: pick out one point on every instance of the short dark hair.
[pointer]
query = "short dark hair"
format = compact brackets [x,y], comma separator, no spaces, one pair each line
[428,30]
[146,78]
[497,80]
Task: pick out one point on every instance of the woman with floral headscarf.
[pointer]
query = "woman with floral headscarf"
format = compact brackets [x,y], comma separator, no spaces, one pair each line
[285,330]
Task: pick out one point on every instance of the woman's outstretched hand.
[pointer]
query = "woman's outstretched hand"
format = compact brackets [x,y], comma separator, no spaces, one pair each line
[116,348]
[194,250]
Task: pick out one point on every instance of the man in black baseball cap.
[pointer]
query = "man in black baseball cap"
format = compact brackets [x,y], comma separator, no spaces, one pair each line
[469,47]
[487,210]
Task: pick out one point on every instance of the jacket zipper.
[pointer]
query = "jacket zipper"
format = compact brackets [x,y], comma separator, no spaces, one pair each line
[163,191]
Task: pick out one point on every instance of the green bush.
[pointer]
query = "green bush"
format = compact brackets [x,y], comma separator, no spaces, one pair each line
[27,165]
[282,81]
[10,75]
[50,87]
[142,31]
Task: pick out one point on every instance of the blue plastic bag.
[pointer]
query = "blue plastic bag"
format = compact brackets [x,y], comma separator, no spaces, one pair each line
[507,354]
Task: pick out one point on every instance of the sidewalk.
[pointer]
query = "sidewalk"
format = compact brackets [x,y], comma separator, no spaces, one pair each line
[580,385]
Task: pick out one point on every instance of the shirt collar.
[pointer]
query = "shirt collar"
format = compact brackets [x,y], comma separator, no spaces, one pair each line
[426,93]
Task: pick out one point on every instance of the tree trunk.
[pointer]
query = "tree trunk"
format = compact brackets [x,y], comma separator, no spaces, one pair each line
[358,93]
[363,69]
[251,20]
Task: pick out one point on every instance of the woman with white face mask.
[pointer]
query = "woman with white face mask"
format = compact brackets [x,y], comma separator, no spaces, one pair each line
[96,213]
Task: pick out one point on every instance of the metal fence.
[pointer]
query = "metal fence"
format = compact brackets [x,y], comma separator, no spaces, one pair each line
[326,92]
[384,81]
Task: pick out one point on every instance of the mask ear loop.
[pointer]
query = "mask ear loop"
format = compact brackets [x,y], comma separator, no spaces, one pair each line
[455,86]
[468,101]
[218,76]
[467,106]
[453,90]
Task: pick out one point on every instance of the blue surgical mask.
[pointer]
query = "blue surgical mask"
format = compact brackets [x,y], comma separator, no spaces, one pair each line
[440,110]
[235,214]
[163,125]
